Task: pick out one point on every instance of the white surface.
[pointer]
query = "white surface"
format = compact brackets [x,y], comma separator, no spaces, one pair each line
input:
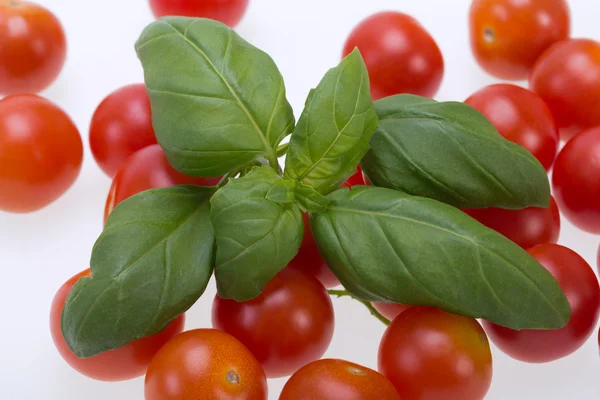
[38,252]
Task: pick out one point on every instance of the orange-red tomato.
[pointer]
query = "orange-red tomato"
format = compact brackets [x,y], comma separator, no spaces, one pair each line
[229,12]
[127,362]
[390,310]
[40,153]
[356,179]
[205,364]
[507,36]
[338,380]
[32,47]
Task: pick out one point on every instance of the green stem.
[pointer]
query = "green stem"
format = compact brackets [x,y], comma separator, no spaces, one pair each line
[372,310]
[282,149]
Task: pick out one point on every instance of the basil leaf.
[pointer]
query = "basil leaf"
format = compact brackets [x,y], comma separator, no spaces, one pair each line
[151,263]
[334,130]
[385,245]
[256,237]
[309,200]
[451,153]
[217,101]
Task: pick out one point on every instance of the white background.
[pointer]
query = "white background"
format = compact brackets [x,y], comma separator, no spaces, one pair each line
[39,251]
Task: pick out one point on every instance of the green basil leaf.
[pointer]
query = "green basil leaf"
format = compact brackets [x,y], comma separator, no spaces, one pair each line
[284,191]
[385,245]
[309,200]
[217,101]
[451,153]
[334,130]
[256,237]
[150,265]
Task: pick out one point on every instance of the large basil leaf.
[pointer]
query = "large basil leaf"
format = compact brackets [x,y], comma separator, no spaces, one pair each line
[151,263]
[385,245]
[256,237]
[334,130]
[451,153]
[217,101]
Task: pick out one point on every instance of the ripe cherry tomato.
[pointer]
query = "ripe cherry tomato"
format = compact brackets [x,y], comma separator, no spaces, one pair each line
[127,362]
[567,77]
[229,12]
[598,259]
[507,36]
[289,325]
[32,47]
[338,380]
[144,170]
[400,54]
[40,153]
[577,279]
[356,179]
[527,228]
[428,353]
[520,116]
[121,125]
[576,180]
[205,364]
[390,310]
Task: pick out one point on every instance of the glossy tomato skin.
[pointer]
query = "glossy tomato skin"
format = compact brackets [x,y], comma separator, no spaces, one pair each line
[390,310]
[356,179]
[229,12]
[567,77]
[40,153]
[428,353]
[507,36]
[400,54]
[127,362]
[205,364]
[289,325]
[520,116]
[33,47]
[528,227]
[577,279]
[147,169]
[330,379]
[121,125]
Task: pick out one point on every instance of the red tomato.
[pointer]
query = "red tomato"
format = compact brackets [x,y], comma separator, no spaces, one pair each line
[576,180]
[205,364]
[598,259]
[399,53]
[390,310]
[507,36]
[289,325]
[40,153]
[229,12]
[577,279]
[567,77]
[520,116]
[309,259]
[127,362]
[428,353]
[144,170]
[527,228]
[356,179]
[338,380]
[121,125]
[32,47]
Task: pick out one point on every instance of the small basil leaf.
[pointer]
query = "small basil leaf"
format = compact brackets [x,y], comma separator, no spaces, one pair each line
[217,101]
[256,237]
[451,153]
[385,245]
[334,130]
[309,199]
[151,263]
[282,192]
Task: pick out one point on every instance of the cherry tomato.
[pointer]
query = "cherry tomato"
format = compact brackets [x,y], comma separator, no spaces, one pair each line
[577,279]
[576,180]
[428,353]
[147,169]
[289,325]
[338,380]
[121,125]
[507,36]
[127,362]
[527,228]
[390,310]
[205,364]
[520,116]
[567,77]
[400,54]
[598,259]
[40,153]
[229,12]
[356,179]
[32,47]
